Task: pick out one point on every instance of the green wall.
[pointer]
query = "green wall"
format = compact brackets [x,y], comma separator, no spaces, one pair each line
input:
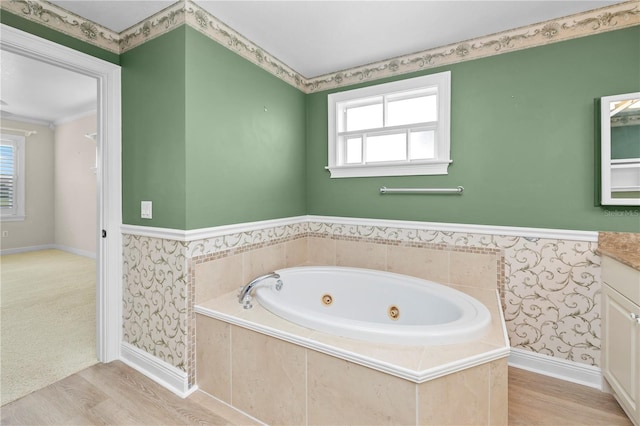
[245,139]
[522,142]
[198,142]
[153,131]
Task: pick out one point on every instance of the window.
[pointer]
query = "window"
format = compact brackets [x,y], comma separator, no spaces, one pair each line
[392,129]
[12,177]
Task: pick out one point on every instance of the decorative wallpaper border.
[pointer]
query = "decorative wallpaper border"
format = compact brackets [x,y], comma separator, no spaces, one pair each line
[618,16]
[592,22]
[59,19]
[218,31]
[152,27]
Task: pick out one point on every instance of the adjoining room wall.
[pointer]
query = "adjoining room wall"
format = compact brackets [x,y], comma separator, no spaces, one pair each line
[37,229]
[75,186]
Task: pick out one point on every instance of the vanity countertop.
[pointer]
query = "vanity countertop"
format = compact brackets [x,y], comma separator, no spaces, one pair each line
[621,246]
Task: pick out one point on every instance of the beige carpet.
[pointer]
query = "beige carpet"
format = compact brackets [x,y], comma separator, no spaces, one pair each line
[47,312]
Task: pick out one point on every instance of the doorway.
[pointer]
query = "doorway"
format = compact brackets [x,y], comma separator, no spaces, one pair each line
[109,212]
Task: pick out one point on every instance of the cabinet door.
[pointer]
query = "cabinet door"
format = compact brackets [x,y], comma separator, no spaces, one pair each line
[622,348]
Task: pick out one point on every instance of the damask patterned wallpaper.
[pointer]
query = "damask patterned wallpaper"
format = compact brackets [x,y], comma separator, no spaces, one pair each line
[155,295]
[551,293]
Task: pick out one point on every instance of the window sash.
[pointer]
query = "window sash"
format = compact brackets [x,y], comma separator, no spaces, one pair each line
[364,136]
[11,177]
[436,144]
[7,177]
[384,101]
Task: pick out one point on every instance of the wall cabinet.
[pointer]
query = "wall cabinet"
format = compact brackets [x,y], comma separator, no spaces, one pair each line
[621,343]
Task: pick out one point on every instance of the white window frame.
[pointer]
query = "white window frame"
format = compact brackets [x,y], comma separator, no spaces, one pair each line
[18,211]
[440,83]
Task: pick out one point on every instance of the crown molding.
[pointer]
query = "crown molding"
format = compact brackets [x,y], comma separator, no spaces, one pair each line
[618,16]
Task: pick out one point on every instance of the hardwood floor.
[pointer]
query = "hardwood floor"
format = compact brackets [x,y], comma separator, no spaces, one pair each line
[115,394]
[118,395]
[541,400]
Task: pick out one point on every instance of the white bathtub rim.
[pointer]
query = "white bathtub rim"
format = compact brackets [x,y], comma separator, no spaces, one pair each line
[476,318]
[416,376]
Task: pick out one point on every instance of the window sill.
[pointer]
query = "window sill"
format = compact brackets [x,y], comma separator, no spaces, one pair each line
[12,218]
[431,168]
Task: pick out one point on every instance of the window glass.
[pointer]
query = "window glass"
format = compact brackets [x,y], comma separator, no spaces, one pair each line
[422,145]
[386,148]
[354,150]
[414,110]
[364,117]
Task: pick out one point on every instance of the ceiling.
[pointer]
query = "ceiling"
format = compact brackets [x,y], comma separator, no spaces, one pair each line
[312,37]
[43,93]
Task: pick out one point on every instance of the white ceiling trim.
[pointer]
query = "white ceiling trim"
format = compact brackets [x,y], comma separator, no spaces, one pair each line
[618,16]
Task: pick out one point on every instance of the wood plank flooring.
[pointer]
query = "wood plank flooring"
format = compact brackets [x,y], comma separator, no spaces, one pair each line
[118,395]
[541,400]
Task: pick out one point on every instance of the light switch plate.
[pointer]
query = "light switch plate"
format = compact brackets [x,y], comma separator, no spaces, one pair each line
[146,209]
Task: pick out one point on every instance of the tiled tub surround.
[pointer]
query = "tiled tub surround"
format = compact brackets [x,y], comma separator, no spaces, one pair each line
[283,373]
[307,377]
[550,290]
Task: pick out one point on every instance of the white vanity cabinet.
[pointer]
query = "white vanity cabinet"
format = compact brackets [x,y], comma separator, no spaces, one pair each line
[621,326]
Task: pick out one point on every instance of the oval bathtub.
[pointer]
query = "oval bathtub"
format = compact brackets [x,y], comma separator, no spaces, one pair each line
[375,306]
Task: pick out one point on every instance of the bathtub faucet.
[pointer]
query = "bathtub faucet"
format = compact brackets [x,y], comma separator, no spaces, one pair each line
[245,292]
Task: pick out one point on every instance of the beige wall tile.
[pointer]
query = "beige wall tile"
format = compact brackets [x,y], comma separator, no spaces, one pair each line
[213,357]
[361,255]
[268,378]
[419,262]
[499,404]
[262,261]
[341,392]
[489,298]
[321,251]
[473,269]
[295,252]
[460,398]
[218,277]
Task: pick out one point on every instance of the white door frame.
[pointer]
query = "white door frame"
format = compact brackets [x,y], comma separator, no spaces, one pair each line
[109,250]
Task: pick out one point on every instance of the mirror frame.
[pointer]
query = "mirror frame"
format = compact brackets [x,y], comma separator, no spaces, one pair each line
[605,151]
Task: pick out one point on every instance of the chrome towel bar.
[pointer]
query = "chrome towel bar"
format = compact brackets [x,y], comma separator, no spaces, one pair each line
[385,190]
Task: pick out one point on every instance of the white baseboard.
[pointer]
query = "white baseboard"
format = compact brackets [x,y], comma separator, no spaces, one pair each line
[555,367]
[71,250]
[157,370]
[26,249]
[76,251]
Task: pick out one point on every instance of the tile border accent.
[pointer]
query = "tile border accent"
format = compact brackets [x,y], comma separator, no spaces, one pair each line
[617,16]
